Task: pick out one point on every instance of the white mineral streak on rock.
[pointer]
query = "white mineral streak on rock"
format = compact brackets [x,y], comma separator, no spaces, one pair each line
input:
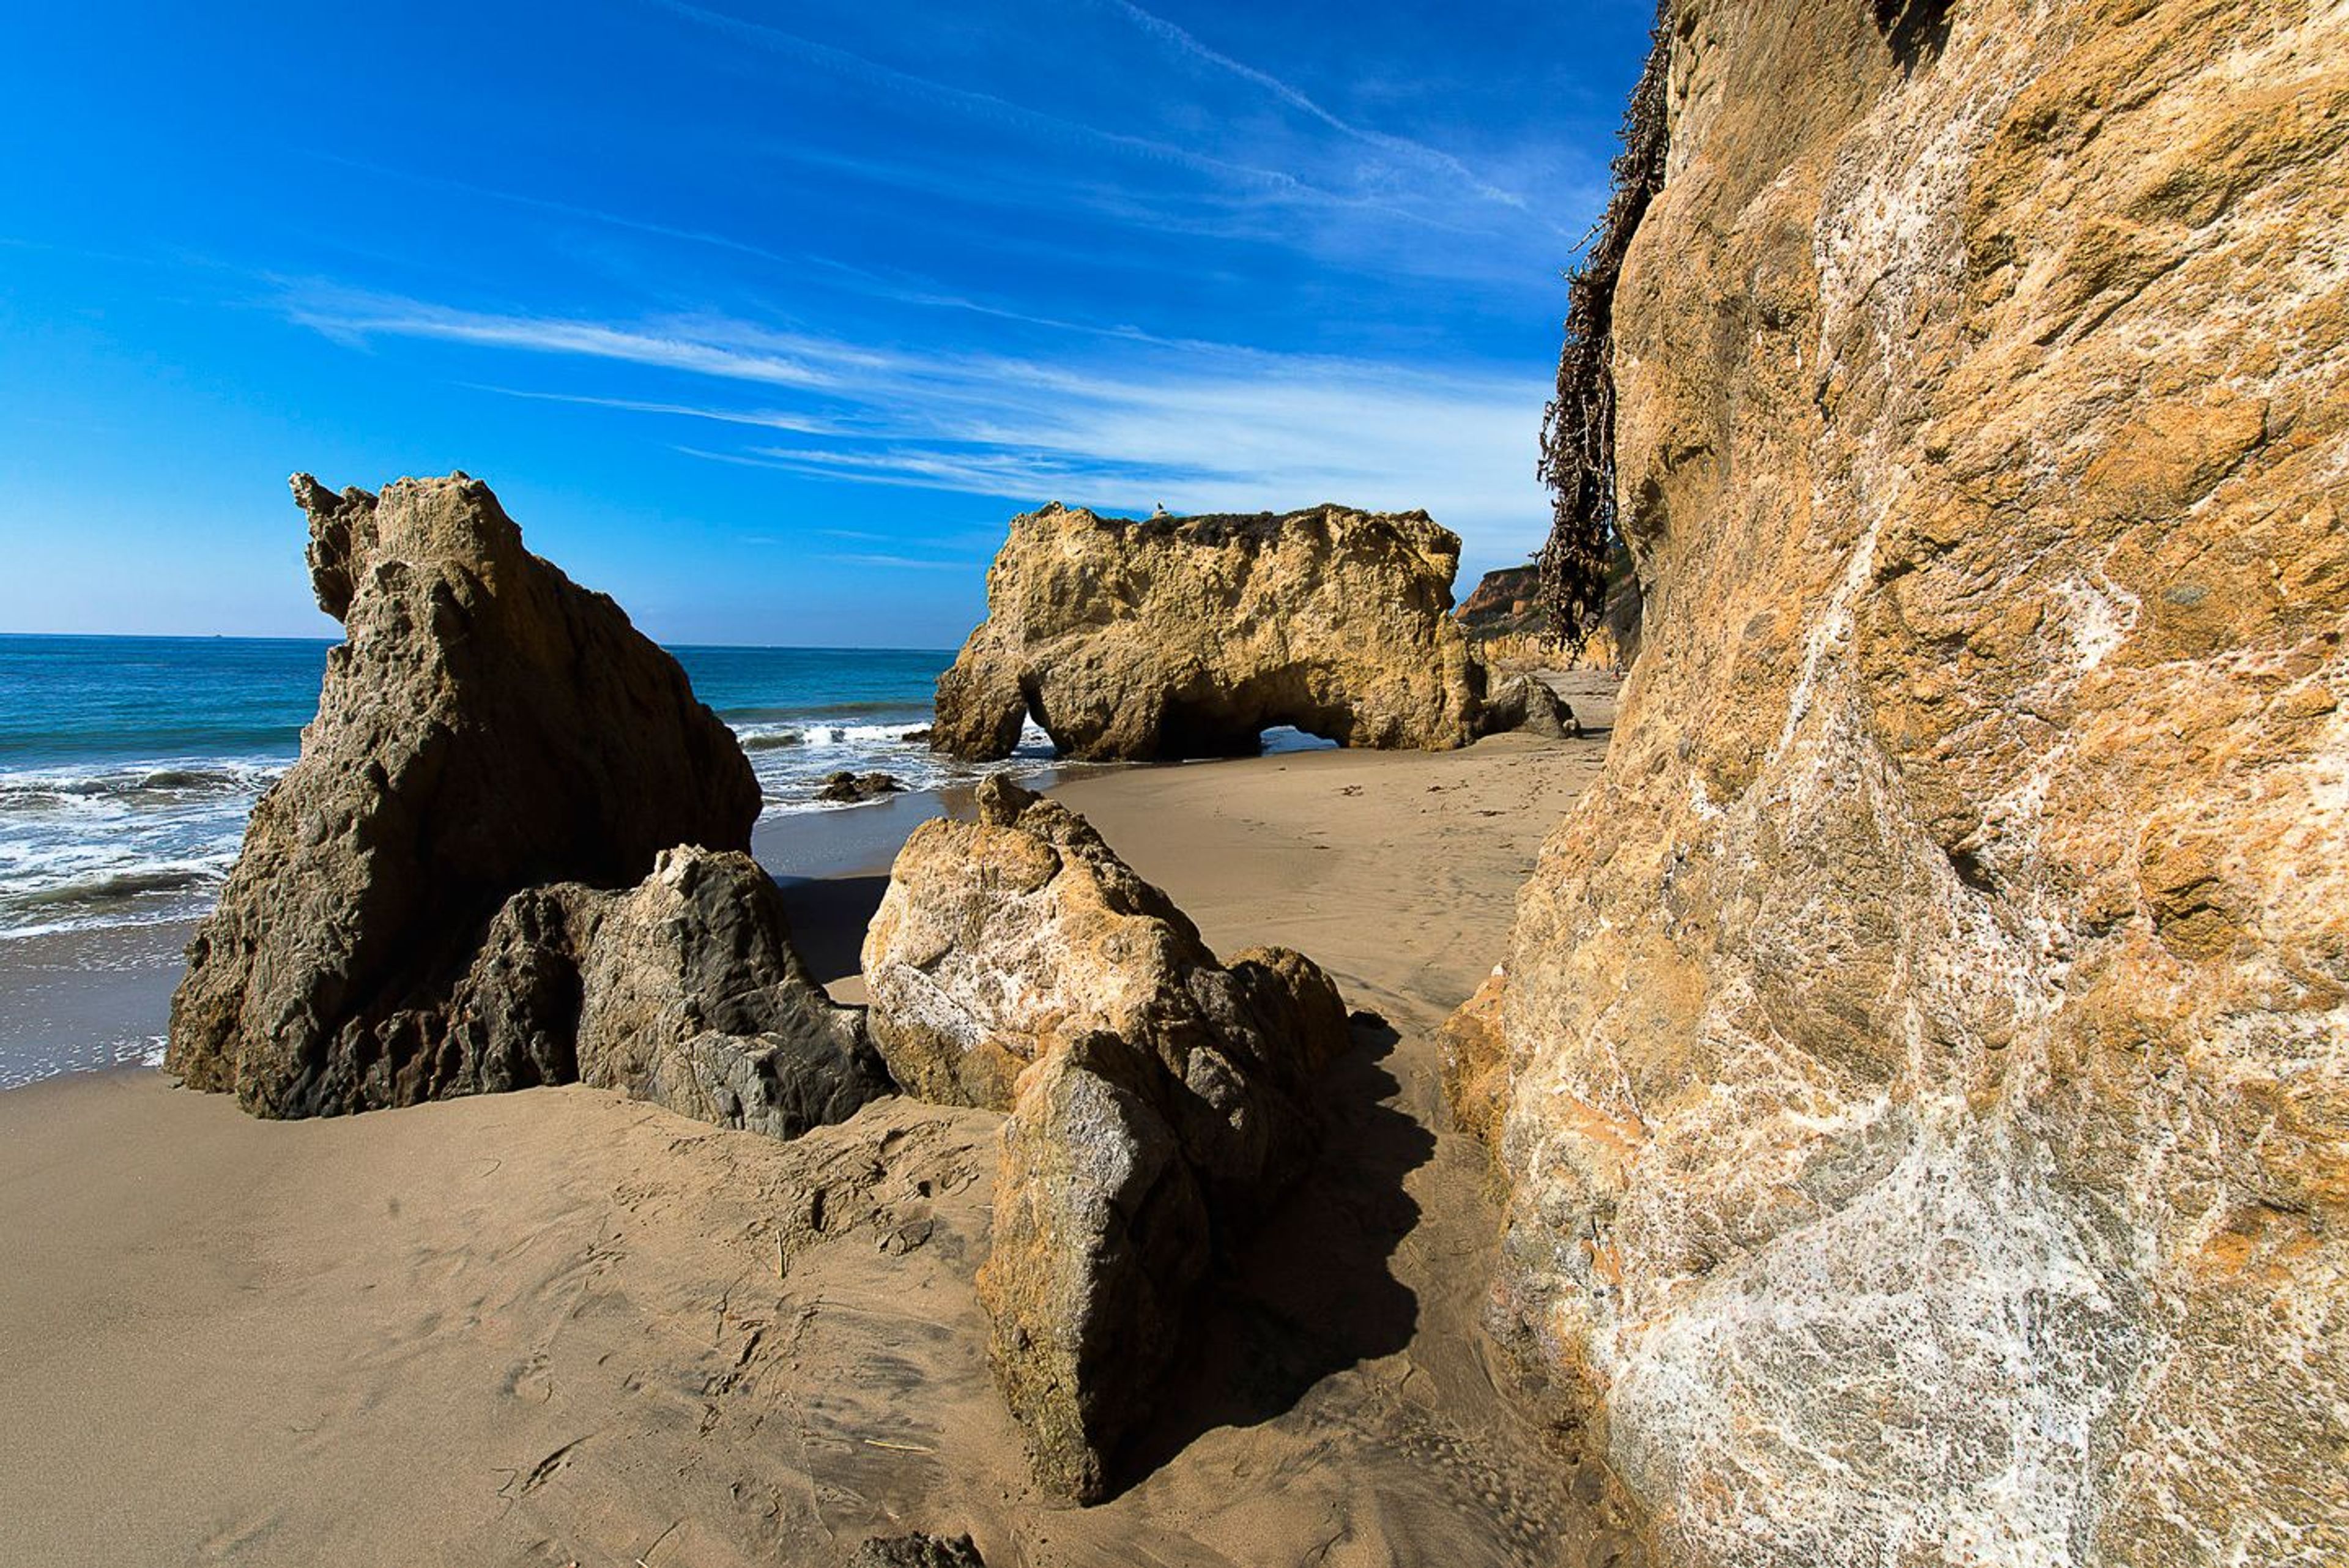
[1924,1060]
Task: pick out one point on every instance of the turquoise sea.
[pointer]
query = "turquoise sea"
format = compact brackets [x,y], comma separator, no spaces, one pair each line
[128,765]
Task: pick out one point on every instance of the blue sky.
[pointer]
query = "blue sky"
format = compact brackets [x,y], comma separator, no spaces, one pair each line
[764,318]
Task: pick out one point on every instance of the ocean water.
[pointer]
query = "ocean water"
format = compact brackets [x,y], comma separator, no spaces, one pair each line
[129,765]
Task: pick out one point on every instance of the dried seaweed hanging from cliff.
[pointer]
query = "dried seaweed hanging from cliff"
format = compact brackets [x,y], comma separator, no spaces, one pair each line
[1578,456]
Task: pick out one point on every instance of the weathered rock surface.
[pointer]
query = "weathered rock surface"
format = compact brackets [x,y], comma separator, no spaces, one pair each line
[916,1550]
[1507,628]
[684,991]
[1190,636]
[1526,702]
[1929,1045]
[1158,1098]
[424,907]
[1102,1238]
[1502,603]
[998,939]
[1476,1063]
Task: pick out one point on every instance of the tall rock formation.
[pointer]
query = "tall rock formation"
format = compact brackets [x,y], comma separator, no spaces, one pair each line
[1159,1100]
[1923,1070]
[1188,636]
[416,911]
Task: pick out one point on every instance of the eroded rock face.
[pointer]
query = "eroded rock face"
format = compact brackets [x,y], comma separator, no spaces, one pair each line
[1158,1098]
[1190,636]
[417,910]
[1928,1064]
[1101,1240]
[1476,1063]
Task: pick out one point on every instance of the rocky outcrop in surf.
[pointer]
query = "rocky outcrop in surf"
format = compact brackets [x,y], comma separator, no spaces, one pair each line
[425,904]
[1158,1098]
[1923,1065]
[1188,636]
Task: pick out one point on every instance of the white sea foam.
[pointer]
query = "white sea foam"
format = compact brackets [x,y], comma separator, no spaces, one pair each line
[792,760]
[132,843]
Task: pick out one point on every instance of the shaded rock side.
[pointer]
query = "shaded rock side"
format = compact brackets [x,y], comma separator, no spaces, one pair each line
[487,727]
[1189,637]
[1928,1045]
[1158,1098]
[684,991]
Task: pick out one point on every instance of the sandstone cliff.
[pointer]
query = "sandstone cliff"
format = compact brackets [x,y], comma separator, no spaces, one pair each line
[1506,602]
[1923,1064]
[1188,636]
[1508,628]
[416,911]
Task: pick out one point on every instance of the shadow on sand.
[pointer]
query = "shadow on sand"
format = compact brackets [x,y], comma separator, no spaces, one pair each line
[828,916]
[1310,1293]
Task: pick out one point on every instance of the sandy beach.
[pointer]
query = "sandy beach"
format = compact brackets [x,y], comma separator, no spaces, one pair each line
[560,1326]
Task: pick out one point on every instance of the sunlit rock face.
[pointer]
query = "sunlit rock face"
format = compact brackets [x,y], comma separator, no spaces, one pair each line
[1926,1108]
[1189,637]
[1159,1101]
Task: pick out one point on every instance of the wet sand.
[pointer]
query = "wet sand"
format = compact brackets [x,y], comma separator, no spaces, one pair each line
[71,1002]
[559,1327]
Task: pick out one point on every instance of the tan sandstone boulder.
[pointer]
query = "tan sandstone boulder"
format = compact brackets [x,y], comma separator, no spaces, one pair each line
[1188,636]
[416,911]
[1158,1098]
[997,939]
[1526,702]
[1101,1239]
[1928,1043]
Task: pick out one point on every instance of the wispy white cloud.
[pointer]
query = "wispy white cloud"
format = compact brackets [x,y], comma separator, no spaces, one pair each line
[857,68]
[1121,426]
[673,347]
[909,563]
[1168,32]
[760,419]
